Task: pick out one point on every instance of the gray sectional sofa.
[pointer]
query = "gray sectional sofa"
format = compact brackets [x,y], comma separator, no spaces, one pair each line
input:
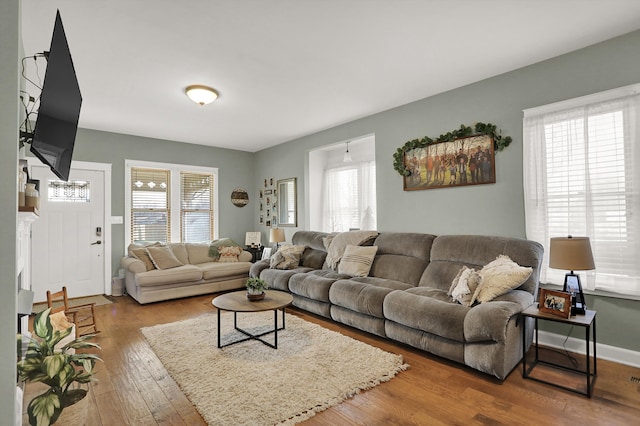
[405,296]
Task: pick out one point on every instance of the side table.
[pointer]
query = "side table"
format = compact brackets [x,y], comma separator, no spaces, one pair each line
[256,253]
[588,321]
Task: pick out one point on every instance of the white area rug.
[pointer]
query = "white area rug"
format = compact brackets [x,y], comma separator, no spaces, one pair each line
[253,384]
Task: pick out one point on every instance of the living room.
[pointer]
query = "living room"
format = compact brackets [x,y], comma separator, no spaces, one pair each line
[496,209]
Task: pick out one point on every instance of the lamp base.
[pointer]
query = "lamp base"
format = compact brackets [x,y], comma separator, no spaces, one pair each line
[573,285]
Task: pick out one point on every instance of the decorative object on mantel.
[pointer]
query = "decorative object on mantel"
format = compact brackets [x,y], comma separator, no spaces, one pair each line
[256,288]
[408,169]
[239,197]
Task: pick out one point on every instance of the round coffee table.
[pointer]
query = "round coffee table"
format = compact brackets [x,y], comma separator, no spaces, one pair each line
[237,302]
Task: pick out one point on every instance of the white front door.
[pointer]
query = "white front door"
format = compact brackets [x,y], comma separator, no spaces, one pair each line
[67,239]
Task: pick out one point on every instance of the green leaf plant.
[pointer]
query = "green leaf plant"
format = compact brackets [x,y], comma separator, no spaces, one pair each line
[499,142]
[257,284]
[59,368]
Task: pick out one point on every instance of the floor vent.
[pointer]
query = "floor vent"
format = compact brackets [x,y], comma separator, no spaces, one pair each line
[635,379]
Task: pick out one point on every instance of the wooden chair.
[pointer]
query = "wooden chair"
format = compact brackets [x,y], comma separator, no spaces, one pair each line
[83,316]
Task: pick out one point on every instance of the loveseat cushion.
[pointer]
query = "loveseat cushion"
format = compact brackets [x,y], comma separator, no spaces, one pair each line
[427,309]
[180,251]
[199,253]
[185,273]
[216,270]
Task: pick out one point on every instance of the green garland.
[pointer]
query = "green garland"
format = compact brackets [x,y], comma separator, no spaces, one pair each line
[499,142]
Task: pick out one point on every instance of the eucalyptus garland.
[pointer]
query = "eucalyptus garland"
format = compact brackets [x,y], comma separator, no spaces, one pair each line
[499,142]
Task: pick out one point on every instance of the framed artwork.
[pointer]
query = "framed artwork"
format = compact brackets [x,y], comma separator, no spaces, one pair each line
[461,162]
[266,183]
[555,302]
[268,223]
[266,252]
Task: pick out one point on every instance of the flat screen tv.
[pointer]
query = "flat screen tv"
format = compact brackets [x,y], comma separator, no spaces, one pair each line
[57,122]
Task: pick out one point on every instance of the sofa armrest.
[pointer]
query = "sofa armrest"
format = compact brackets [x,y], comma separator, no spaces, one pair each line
[488,321]
[258,267]
[245,256]
[133,265]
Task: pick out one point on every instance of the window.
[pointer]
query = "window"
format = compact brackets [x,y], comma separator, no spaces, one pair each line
[350,197]
[73,191]
[580,178]
[170,202]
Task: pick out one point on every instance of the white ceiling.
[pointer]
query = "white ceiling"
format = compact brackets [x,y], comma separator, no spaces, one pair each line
[289,68]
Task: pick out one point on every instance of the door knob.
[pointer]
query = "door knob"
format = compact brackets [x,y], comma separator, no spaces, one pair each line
[97,242]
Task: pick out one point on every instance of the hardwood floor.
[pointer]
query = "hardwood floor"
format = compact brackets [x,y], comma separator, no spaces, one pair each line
[135,389]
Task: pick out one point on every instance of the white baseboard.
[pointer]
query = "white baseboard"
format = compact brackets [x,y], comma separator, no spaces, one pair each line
[610,353]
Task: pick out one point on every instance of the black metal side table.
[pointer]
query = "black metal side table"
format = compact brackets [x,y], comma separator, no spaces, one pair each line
[256,253]
[588,321]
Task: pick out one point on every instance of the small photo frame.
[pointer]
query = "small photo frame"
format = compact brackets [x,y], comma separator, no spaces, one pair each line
[271,181]
[266,252]
[555,302]
[266,182]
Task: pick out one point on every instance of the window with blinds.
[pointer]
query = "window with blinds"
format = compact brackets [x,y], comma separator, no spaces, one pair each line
[579,180]
[150,212]
[196,207]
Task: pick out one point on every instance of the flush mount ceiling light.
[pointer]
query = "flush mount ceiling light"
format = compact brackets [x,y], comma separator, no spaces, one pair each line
[201,95]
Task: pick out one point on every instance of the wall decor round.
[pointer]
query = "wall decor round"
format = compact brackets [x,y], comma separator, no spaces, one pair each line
[239,197]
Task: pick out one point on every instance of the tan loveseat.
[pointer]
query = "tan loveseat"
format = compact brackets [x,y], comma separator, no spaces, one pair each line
[194,273]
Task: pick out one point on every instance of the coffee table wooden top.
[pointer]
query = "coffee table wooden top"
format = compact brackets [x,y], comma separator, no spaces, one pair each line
[237,301]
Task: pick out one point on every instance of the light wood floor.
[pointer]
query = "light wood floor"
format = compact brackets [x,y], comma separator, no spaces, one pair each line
[135,389]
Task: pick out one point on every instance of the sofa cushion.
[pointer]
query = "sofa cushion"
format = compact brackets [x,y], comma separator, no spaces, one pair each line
[340,242]
[199,253]
[356,261]
[216,270]
[311,286]
[185,273]
[488,321]
[180,251]
[143,255]
[364,295]
[427,309]
[402,256]
[163,257]
[499,277]
[278,279]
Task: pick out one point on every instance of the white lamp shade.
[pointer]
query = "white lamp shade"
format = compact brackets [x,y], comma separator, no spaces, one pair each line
[276,235]
[201,94]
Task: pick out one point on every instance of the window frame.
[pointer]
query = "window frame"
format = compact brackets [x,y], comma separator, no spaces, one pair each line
[533,202]
[175,193]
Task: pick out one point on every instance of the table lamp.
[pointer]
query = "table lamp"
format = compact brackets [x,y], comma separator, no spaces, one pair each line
[276,236]
[574,254]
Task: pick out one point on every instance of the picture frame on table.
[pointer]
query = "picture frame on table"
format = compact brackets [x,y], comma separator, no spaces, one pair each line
[555,302]
[266,252]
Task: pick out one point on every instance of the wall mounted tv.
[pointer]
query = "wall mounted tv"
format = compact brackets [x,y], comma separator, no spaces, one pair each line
[57,122]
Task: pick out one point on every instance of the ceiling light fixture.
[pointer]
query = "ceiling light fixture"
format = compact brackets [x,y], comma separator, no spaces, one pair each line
[347,156]
[201,95]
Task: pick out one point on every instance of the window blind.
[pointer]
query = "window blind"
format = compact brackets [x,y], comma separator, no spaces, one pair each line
[196,207]
[580,179]
[150,213]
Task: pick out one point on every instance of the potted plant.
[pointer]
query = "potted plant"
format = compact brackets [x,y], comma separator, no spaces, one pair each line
[61,369]
[256,288]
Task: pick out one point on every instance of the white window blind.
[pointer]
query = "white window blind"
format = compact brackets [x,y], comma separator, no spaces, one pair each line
[150,213]
[196,207]
[580,179]
[349,200]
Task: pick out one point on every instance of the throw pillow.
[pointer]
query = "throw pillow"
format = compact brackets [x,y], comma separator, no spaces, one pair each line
[499,277]
[221,242]
[163,257]
[357,260]
[464,286]
[288,257]
[229,254]
[143,255]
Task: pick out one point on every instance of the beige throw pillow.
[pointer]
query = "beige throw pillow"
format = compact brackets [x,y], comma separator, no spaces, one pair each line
[163,257]
[464,286]
[229,254]
[288,257]
[142,255]
[357,260]
[499,277]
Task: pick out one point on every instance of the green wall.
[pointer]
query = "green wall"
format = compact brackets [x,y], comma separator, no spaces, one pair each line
[10,52]
[496,209]
[234,170]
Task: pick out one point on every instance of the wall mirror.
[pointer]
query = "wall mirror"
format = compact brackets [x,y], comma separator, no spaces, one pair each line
[287,205]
